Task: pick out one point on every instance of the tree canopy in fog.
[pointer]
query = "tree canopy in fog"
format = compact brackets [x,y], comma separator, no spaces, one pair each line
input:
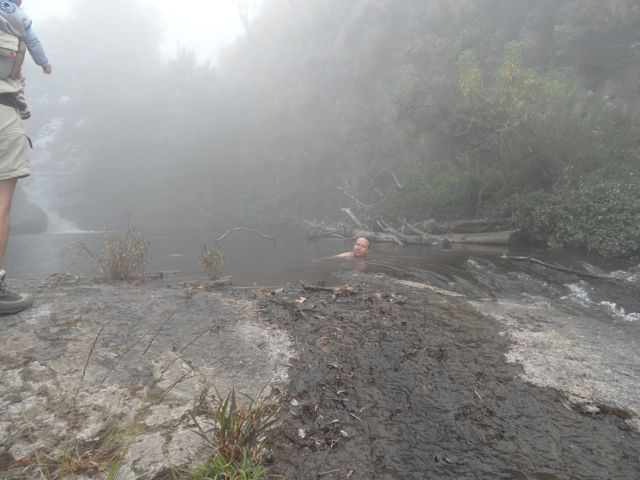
[478,107]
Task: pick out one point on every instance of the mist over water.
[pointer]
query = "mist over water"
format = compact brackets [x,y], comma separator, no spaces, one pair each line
[420,112]
[393,105]
[304,101]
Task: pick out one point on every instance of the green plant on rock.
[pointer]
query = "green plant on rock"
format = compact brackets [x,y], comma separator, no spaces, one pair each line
[236,438]
[212,262]
[219,468]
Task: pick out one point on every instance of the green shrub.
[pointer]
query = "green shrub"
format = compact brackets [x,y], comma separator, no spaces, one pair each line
[431,193]
[499,129]
[600,213]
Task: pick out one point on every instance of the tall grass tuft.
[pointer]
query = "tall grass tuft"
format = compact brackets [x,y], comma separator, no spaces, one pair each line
[102,459]
[213,263]
[124,257]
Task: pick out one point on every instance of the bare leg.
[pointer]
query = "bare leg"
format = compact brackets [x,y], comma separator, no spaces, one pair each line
[7,188]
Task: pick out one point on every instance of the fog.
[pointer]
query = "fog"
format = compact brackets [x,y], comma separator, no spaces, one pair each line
[198,115]
[203,26]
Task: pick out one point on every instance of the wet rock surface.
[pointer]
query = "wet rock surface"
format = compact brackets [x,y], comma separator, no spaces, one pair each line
[397,381]
[381,379]
[93,363]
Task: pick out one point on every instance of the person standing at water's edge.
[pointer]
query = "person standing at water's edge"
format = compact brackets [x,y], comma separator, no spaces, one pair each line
[14,162]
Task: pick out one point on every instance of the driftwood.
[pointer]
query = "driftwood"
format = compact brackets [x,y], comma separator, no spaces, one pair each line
[336,291]
[487,238]
[415,229]
[316,288]
[363,223]
[392,235]
[352,216]
[218,240]
[478,225]
[315,229]
[428,226]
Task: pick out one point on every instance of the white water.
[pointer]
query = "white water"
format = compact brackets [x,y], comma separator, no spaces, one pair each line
[580,295]
[47,181]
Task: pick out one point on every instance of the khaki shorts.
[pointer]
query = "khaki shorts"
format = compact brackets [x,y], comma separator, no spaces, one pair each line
[14,162]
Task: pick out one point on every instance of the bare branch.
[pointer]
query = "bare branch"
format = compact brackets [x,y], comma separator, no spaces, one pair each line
[353,217]
[235,229]
[396,180]
[557,267]
[357,202]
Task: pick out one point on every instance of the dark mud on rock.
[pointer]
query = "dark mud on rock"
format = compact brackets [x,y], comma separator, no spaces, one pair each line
[393,382]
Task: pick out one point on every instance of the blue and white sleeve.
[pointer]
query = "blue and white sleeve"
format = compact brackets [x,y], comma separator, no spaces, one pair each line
[35,47]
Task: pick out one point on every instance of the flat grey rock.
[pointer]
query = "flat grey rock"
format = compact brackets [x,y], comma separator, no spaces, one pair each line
[571,349]
[90,357]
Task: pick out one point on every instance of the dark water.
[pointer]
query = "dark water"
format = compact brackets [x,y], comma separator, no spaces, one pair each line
[249,259]
[252,260]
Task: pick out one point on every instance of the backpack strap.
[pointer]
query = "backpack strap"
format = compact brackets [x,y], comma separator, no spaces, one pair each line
[9,99]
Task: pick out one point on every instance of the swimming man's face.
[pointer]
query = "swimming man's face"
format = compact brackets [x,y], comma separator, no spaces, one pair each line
[361,248]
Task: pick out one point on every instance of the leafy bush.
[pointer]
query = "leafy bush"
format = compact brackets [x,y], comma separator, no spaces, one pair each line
[601,213]
[488,129]
[438,192]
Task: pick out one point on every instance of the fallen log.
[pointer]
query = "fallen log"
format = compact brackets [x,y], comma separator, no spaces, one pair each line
[478,225]
[386,237]
[487,238]
[425,238]
[418,236]
[559,268]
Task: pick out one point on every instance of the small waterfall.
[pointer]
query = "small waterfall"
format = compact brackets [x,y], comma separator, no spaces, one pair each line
[48,178]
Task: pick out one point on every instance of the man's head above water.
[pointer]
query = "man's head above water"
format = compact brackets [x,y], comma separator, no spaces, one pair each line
[361,248]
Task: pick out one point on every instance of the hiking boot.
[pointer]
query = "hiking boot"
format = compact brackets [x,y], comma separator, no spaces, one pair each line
[11,302]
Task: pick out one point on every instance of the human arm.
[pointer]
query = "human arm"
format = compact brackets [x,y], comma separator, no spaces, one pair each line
[36,50]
